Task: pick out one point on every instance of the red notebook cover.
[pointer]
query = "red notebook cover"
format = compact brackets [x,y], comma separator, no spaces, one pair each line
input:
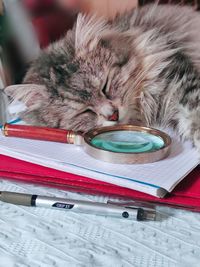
[186,195]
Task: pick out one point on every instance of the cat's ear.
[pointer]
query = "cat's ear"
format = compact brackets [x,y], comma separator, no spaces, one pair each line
[118,43]
[32,95]
[91,31]
[87,32]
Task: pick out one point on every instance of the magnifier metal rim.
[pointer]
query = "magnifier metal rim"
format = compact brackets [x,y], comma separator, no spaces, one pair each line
[127,157]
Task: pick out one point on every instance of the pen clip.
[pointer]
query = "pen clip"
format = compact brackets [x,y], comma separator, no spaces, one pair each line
[132,204]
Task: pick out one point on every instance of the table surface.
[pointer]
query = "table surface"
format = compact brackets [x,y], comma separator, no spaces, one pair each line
[43,237]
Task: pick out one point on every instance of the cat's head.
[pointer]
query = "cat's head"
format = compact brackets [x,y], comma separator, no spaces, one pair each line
[92,89]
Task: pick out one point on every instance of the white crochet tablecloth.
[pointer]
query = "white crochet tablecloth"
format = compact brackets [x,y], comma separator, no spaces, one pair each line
[40,237]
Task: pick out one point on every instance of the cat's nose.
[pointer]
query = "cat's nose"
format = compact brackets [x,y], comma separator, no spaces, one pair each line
[114,116]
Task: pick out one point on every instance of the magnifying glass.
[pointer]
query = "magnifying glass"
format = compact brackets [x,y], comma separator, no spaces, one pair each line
[122,144]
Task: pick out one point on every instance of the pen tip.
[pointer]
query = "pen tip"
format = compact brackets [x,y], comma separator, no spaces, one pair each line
[150,215]
[146,214]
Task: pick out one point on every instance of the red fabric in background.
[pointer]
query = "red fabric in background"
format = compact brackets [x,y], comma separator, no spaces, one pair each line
[39,6]
[186,194]
[49,21]
[52,27]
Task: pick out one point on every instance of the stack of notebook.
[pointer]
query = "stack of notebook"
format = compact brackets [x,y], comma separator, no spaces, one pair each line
[68,167]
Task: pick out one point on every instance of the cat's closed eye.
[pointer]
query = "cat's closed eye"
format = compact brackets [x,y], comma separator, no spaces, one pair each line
[87,112]
[105,89]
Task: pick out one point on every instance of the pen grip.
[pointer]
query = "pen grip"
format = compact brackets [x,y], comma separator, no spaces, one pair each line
[16,198]
[39,133]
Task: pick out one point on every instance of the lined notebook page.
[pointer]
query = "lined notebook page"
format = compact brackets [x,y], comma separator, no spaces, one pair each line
[70,158]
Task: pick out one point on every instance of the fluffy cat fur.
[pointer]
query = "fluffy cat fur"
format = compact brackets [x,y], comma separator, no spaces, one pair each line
[145,64]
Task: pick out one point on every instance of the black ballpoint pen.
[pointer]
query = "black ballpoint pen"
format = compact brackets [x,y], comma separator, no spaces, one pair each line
[87,207]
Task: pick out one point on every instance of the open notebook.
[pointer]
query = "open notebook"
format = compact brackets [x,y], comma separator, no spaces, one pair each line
[156,178]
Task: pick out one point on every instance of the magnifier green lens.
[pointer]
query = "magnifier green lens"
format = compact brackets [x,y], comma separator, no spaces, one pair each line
[128,142]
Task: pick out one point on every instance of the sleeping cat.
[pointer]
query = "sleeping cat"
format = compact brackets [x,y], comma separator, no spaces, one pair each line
[143,67]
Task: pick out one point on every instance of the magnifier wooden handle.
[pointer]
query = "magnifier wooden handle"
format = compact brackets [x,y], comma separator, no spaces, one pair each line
[39,133]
